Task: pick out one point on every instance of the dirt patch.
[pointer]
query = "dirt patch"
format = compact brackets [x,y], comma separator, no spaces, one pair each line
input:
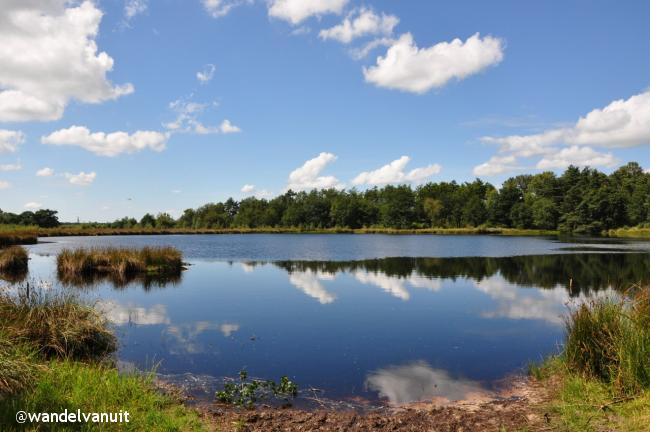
[513,412]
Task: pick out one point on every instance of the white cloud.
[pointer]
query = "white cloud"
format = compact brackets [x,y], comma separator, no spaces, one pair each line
[4,184]
[81,179]
[296,11]
[10,140]
[394,173]
[248,188]
[11,167]
[307,176]
[227,329]
[133,8]
[622,123]
[579,156]
[32,205]
[496,165]
[227,127]
[111,144]
[45,172]
[206,74]
[409,68]
[362,22]
[220,8]
[186,121]
[49,39]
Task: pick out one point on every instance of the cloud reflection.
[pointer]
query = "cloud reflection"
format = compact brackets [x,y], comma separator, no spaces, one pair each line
[186,338]
[418,381]
[120,314]
[309,282]
[516,302]
[396,286]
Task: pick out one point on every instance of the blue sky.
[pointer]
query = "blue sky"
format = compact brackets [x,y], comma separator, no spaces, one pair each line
[107,95]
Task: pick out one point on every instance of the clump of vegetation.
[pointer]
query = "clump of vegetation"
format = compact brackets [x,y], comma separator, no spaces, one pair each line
[13,259]
[246,393]
[609,340]
[18,369]
[56,324]
[119,262]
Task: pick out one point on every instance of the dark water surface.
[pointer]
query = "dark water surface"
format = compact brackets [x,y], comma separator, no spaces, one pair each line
[397,318]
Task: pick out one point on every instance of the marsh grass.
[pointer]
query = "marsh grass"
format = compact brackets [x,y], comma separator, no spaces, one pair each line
[56,324]
[609,340]
[120,264]
[13,259]
[18,368]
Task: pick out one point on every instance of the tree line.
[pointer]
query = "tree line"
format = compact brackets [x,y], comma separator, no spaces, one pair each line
[583,201]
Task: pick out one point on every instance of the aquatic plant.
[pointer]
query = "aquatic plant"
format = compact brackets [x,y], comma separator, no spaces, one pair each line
[13,259]
[246,393]
[120,262]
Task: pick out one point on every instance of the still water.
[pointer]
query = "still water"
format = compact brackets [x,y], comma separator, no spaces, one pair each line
[361,317]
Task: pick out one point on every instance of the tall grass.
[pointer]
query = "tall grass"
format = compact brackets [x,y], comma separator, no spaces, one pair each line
[13,259]
[119,261]
[57,325]
[609,340]
[18,369]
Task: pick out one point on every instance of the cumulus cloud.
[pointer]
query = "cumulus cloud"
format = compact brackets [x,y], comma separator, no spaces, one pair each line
[248,188]
[53,39]
[296,11]
[121,314]
[81,179]
[496,165]
[308,175]
[394,173]
[32,205]
[578,156]
[107,144]
[4,184]
[220,8]
[11,167]
[362,22]
[10,140]
[227,127]
[622,123]
[45,172]
[409,68]
[206,74]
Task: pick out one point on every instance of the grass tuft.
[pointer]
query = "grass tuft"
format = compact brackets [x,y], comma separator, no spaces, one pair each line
[13,259]
[57,324]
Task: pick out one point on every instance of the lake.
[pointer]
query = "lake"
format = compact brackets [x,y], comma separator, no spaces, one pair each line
[362,318]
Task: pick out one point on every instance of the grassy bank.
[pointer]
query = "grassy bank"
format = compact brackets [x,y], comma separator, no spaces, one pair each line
[601,380]
[30,234]
[55,355]
[13,259]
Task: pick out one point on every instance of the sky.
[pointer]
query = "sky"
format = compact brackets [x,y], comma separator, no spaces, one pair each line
[111,108]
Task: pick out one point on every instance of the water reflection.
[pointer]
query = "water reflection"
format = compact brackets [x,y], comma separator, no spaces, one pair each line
[418,381]
[308,281]
[122,314]
[194,338]
[120,281]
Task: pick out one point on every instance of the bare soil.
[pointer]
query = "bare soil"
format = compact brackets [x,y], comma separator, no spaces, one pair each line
[515,410]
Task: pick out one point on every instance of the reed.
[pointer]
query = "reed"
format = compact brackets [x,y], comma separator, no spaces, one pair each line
[13,259]
[118,262]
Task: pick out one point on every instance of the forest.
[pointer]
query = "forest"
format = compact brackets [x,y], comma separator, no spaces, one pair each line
[581,201]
